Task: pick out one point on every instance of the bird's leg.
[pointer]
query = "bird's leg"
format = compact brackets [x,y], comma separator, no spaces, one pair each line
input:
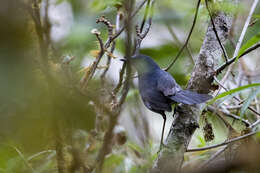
[164,121]
[174,109]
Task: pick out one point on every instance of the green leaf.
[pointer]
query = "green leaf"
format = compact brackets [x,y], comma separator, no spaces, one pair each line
[258,135]
[135,147]
[250,98]
[202,141]
[113,160]
[255,39]
[233,91]
[256,16]
[40,154]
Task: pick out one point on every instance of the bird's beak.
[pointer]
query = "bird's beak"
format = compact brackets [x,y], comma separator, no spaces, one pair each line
[124,60]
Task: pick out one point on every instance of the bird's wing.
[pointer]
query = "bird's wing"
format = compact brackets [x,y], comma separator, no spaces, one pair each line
[166,84]
[170,89]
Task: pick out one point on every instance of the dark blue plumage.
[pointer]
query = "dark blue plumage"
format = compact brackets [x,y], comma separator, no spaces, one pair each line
[158,88]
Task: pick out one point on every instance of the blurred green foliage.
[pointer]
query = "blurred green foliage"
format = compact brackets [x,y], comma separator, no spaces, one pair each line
[36,110]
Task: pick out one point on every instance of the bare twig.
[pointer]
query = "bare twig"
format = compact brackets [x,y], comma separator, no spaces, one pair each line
[188,38]
[24,159]
[213,157]
[102,19]
[121,77]
[140,34]
[137,46]
[145,15]
[103,46]
[126,86]
[186,117]
[224,143]
[108,62]
[110,35]
[108,42]
[250,108]
[255,124]
[230,61]
[171,31]
[240,40]
[94,66]
[216,33]
[212,109]
[116,108]
[121,73]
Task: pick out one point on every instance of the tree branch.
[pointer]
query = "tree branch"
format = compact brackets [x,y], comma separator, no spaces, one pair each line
[140,34]
[240,40]
[105,46]
[108,42]
[212,109]
[93,67]
[230,61]
[186,117]
[223,143]
[216,33]
[145,15]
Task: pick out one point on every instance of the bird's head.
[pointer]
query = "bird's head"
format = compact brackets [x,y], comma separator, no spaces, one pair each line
[143,64]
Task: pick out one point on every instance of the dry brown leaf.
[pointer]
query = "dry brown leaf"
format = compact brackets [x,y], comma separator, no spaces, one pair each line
[110,54]
[94,53]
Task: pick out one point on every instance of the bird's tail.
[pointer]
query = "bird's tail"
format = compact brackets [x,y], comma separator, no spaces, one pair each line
[190,97]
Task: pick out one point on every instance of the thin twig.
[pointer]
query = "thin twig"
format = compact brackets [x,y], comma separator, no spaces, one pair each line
[256,123]
[122,71]
[108,42]
[40,153]
[121,77]
[213,157]
[212,109]
[94,66]
[216,33]
[188,38]
[140,34]
[250,108]
[105,46]
[126,86]
[103,19]
[240,40]
[102,76]
[223,143]
[230,61]
[23,158]
[116,108]
[145,15]
[171,31]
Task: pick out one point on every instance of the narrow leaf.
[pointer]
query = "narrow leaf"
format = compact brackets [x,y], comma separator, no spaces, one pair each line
[255,39]
[256,16]
[232,91]
[250,98]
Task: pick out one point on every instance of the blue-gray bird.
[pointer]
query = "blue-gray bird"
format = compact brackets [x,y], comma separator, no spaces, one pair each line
[159,90]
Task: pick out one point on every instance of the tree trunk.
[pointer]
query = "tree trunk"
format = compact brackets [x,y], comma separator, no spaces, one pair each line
[185,122]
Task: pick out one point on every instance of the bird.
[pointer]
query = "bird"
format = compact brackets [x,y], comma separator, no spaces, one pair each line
[159,90]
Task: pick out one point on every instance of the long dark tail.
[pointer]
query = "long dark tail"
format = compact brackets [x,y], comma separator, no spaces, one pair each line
[190,97]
